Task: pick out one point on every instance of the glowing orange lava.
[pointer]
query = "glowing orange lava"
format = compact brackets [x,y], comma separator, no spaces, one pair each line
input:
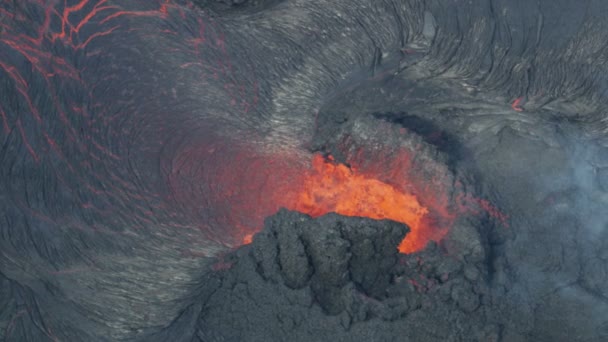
[247,239]
[333,187]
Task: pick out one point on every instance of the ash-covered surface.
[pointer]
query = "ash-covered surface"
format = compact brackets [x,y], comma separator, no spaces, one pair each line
[341,278]
[338,278]
[140,140]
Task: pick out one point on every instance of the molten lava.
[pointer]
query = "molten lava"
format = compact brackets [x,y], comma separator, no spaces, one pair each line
[332,187]
[391,191]
[384,184]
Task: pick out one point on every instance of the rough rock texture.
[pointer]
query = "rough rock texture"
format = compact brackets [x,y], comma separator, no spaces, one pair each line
[140,140]
[341,278]
[331,255]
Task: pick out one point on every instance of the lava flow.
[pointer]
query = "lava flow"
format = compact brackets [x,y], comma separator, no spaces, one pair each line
[334,187]
[393,190]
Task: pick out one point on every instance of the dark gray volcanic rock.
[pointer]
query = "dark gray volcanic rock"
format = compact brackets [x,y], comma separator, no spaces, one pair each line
[329,254]
[341,278]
